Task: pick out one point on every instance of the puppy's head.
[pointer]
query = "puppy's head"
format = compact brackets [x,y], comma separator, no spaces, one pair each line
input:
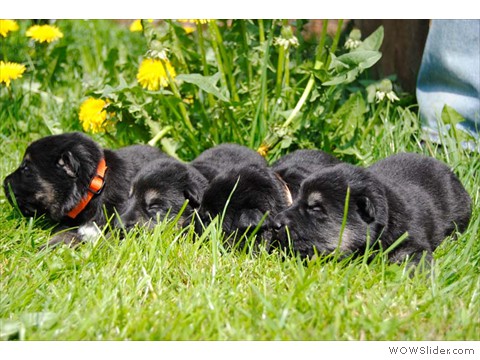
[314,221]
[244,196]
[54,175]
[161,188]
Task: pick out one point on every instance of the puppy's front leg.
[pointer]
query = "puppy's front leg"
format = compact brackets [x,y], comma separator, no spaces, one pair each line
[70,237]
[74,237]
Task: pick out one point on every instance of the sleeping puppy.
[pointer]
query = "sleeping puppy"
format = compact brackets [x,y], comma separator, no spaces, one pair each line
[161,188]
[71,180]
[405,193]
[242,188]
[244,196]
[223,157]
[293,168]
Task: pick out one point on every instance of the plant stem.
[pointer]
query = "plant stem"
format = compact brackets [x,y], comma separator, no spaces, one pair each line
[280,67]
[321,43]
[256,124]
[335,40]
[246,48]
[160,135]
[303,98]
[201,45]
[181,105]
[261,31]
[226,60]
[221,68]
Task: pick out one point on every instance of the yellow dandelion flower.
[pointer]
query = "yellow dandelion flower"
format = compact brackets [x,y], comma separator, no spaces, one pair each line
[195,21]
[189,29]
[10,71]
[152,73]
[137,25]
[6,26]
[263,150]
[93,115]
[44,33]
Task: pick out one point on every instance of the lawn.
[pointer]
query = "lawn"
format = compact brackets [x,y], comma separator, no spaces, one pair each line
[258,83]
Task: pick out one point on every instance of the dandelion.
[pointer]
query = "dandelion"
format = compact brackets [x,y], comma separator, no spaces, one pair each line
[287,39]
[353,40]
[44,33]
[152,73]
[188,29]
[6,26]
[10,71]
[263,150]
[137,25]
[92,115]
[381,90]
[195,21]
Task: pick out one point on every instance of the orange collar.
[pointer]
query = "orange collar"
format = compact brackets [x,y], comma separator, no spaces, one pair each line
[95,188]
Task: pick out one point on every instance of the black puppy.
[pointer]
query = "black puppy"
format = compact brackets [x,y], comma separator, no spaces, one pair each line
[405,193]
[71,180]
[242,189]
[224,157]
[293,168]
[161,188]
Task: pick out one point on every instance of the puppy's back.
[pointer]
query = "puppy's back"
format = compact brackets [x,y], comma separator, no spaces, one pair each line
[223,157]
[137,156]
[293,168]
[409,172]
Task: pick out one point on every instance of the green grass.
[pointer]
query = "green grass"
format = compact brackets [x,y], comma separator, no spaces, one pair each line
[168,285]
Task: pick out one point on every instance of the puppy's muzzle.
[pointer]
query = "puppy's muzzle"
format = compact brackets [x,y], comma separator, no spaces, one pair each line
[281,228]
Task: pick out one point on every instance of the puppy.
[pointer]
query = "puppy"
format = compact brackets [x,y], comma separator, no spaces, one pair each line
[403,194]
[71,180]
[293,168]
[223,157]
[161,188]
[241,188]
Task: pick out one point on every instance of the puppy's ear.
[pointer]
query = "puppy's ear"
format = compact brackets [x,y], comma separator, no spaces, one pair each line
[250,217]
[193,195]
[69,164]
[366,209]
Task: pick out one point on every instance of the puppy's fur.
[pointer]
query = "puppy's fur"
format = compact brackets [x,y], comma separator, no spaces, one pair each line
[56,172]
[243,186]
[295,167]
[224,157]
[161,188]
[405,193]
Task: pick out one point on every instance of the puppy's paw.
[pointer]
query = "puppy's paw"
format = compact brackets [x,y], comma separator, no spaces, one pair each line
[69,238]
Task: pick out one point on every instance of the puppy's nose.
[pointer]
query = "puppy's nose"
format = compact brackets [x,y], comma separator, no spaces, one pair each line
[280,221]
[277,225]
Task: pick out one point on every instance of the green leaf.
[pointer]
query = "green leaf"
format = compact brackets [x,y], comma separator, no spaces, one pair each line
[205,83]
[352,110]
[362,59]
[373,42]
[451,116]
[344,78]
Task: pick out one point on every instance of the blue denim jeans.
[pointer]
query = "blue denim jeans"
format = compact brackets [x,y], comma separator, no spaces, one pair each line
[450,74]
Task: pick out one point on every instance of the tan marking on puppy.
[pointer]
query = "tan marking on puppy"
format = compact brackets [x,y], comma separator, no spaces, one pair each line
[314,198]
[47,193]
[151,195]
[287,193]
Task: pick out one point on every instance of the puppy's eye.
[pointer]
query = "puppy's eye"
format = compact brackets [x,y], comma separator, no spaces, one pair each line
[316,208]
[154,208]
[24,167]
